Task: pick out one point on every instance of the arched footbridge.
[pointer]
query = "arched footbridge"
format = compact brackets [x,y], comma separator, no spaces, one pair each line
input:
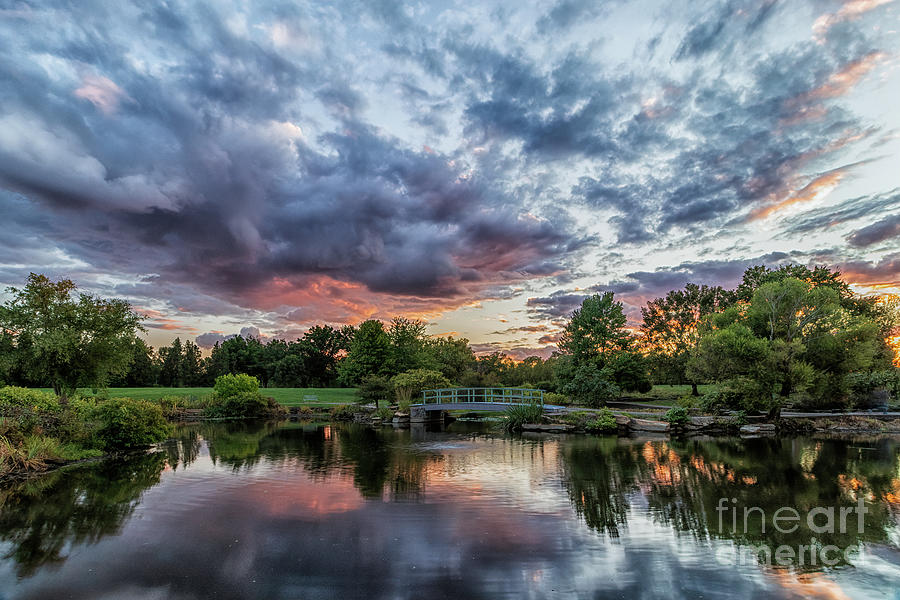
[481,399]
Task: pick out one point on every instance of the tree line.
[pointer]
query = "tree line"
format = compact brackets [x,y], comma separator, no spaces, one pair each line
[788,334]
[791,334]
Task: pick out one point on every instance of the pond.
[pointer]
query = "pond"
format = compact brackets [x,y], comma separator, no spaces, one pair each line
[296,510]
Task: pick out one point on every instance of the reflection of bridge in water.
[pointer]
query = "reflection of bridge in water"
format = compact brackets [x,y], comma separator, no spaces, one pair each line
[474,399]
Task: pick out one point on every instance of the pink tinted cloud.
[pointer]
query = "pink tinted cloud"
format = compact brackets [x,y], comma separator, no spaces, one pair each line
[101,92]
[850,11]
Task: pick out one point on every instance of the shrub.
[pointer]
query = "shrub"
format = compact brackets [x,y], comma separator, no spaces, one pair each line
[737,394]
[871,390]
[344,412]
[688,401]
[232,385]
[556,399]
[34,399]
[125,423]
[604,422]
[676,416]
[546,385]
[384,413]
[629,371]
[410,384]
[245,405]
[237,396]
[520,414]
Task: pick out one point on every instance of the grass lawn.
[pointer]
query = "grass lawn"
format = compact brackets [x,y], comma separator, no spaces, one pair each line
[286,396]
[666,395]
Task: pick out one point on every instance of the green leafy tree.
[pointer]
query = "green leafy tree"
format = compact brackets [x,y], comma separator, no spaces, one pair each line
[451,356]
[407,344]
[374,389]
[191,365]
[410,384]
[596,331]
[321,347]
[670,328]
[69,341]
[142,372]
[817,277]
[171,370]
[368,354]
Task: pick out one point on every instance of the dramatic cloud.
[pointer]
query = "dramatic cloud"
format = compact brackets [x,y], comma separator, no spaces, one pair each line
[289,164]
[887,228]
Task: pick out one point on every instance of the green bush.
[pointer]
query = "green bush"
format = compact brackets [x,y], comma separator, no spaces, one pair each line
[604,422]
[520,414]
[245,405]
[688,401]
[237,396]
[872,390]
[556,399]
[737,394]
[34,399]
[676,416]
[233,385]
[546,385]
[344,412]
[410,384]
[125,423]
[385,413]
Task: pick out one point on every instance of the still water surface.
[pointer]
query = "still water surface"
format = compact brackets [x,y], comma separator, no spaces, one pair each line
[317,511]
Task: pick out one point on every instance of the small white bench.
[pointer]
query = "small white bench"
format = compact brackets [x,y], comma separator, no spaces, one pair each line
[310,398]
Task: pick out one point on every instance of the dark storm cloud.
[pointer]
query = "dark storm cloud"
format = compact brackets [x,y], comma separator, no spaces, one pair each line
[847,211]
[885,229]
[556,305]
[195,174]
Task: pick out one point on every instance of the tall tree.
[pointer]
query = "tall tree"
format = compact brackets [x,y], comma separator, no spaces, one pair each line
[191,365]
[407,343]
[819,276]
[320,348]
[171,369]
[69,341]
[597,330]
[670,326]
[368,354]
[451,356]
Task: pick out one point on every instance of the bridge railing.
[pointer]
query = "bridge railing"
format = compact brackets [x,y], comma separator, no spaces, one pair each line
[485,394]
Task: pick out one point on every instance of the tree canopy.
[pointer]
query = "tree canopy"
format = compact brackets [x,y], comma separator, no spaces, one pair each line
[67,339]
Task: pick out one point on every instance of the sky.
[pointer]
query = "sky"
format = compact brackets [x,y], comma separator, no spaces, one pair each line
[261,167]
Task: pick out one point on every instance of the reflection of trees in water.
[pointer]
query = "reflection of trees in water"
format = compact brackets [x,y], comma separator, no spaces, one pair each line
[682,483]
[377,460]
[600,473]
[41,516]
[183,449]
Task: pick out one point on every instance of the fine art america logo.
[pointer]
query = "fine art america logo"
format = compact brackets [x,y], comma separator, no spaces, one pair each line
[824,521]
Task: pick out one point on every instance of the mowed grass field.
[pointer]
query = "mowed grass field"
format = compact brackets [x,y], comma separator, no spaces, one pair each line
[667,395]
[285,396]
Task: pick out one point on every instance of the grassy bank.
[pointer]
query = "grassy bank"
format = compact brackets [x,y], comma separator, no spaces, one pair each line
[284,396]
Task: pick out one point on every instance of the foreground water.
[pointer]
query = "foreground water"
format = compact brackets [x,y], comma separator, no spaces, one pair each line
[307,511]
